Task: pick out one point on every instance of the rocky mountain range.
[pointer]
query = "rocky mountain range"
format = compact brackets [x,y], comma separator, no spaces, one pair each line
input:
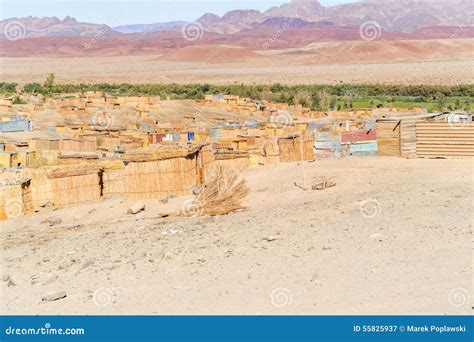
[30,27]
[391,15]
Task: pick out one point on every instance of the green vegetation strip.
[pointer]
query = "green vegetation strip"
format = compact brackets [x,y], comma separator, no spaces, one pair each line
[317,97]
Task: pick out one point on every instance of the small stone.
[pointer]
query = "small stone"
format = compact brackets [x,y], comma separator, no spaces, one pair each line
[315,278]
[110,266]
[272,238]
[53,295]
[5,277]
[46,259]
[136,208]
[63,266]
[52,221]
[87,263]
[375,236]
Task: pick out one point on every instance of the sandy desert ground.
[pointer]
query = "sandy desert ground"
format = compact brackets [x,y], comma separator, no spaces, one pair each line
[442,61]
[152,69]
[394,236]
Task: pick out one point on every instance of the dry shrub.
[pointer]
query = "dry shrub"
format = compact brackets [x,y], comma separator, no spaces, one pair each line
[222,193]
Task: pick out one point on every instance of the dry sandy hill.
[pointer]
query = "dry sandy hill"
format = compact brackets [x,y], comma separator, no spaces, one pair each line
[383,51]
[211,54]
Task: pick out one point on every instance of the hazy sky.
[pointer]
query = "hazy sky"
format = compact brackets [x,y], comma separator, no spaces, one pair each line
[120,12]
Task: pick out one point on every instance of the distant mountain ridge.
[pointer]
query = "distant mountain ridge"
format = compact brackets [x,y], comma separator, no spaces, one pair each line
[137,28]
[390,15]
[30,27]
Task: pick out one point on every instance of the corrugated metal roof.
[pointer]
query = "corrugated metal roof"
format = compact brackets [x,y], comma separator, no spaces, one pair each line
[406,116]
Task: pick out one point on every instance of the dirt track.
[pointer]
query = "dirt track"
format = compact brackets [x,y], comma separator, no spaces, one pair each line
[392,237]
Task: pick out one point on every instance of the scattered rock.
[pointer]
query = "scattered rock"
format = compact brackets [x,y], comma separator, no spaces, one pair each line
[34,279]
[110,266]
[315,278]
[52,221]
[136,208]
[46,204]
[64,266]
[323,185]
[46,259]
[167,198]
[53,295]
[272,238]
[73,226]
[376,236]
[87,263]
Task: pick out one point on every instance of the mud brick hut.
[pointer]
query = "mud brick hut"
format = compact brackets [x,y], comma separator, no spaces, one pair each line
[232,160]
[15,198]
[72,184]
[113,178]
[162,172]
[296,147]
